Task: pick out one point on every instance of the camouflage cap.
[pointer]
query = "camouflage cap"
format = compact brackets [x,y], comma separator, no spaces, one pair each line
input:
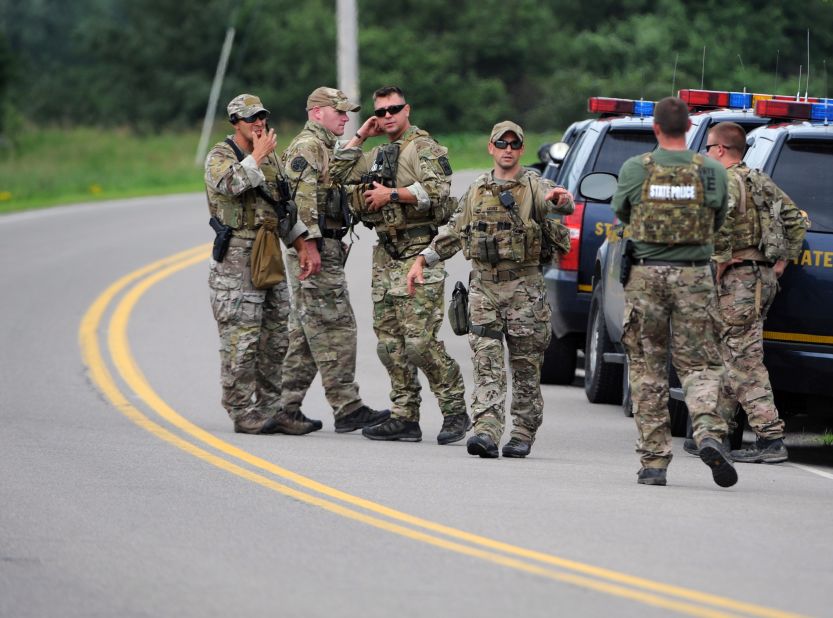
[245,105]
[504,127]
[331,97]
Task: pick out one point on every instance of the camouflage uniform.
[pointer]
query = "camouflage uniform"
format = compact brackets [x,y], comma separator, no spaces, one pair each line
[673,201]
[322,326]
[507,296]
[251,322]
[407,327]
[746,292]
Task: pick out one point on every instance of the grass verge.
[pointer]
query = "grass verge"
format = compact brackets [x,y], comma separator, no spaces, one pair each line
[60,166]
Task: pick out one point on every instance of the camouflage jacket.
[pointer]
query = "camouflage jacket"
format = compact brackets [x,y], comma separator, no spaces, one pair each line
[231,187]
[306,164]
[422,168]
[741,231]
[480,208]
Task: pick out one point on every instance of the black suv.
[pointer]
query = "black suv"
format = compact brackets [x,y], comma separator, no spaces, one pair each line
[798,335]
[602,146]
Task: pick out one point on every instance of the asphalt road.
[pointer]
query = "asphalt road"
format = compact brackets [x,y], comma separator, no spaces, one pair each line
[124,491]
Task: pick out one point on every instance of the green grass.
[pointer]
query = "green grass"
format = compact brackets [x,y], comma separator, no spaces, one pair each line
[827,438]
[61,166]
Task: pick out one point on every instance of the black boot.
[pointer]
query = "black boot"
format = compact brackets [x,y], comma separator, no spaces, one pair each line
[651,476]
[482,444]
[764,451]
[454,428]
[516,447]
[714,455]
[394,429]
[360,418]
[299,416]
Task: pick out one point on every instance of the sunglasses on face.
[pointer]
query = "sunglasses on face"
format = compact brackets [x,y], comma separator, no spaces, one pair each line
[501,144]
[255,117]
[390,109]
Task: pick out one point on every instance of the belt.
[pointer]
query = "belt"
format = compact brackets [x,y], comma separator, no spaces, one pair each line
[758,263]
[337,234]
[507,275]
[236,241]
[644,262]
[409,233]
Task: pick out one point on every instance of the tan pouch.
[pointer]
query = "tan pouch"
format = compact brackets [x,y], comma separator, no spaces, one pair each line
[267,259]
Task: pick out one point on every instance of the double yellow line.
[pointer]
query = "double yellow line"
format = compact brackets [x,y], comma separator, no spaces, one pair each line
[133,286]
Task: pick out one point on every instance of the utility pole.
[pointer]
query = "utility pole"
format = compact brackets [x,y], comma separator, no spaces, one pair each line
[216,86]
[347,53]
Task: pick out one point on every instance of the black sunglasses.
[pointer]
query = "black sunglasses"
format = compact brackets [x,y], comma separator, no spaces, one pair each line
[255,117]
[710,146]
[515,144]
[390,109]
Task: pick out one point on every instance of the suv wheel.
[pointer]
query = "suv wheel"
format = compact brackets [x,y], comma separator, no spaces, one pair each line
[559,361]
[602,381]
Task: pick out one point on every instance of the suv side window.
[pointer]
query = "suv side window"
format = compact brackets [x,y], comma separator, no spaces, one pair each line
[569,174]
[797,173]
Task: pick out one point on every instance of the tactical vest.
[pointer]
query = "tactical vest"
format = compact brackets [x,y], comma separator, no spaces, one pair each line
[246,212]
[394,218]
[497,233]
[758,222]
[673,210]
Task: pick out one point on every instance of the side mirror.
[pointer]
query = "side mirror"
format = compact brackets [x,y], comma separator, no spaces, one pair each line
[558,151]
[598,186]
[544,153]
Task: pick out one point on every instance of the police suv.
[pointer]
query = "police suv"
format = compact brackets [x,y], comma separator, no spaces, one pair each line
[798,336]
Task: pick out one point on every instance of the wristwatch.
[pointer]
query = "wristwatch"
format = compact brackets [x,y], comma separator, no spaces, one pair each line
[394,196]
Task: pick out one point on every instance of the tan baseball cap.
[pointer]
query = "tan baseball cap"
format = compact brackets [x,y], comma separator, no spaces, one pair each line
[245,105]
[504,127]
[331,97]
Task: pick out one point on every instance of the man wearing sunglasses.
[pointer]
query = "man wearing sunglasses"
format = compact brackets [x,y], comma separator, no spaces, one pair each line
[402,191]
[673,201]
[322,326]
[763,229]
[498,225]
[241,179]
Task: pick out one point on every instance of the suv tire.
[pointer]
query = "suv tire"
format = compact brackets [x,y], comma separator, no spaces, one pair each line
[602,381]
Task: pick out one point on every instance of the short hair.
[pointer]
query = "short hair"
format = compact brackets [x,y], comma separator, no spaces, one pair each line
[671,115]
[386,91]
[730,134]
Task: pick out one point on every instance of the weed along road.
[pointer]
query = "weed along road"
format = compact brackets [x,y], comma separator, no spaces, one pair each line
[125,492]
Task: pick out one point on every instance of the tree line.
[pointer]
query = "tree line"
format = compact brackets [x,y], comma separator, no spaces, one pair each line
[148,64]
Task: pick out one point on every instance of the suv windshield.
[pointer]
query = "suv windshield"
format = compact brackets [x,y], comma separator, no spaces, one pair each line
[797,173]
[619,146]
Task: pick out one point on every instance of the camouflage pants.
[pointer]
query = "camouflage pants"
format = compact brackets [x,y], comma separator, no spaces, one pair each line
[253,340]
[519,309]
[678,301]
[741,335]
[322,334]
[407,328]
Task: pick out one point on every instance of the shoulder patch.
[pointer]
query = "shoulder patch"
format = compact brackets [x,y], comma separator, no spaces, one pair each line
[298,164]
[443,160]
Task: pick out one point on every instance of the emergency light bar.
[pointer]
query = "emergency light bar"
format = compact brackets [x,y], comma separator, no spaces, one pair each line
[607,105]
[795,110]
[716,98]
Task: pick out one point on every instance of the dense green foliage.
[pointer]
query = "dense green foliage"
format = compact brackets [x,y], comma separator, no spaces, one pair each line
[149,63]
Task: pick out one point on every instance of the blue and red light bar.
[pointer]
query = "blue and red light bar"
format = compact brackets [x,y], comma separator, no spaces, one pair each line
[822,110]
[716,98]
[625,107]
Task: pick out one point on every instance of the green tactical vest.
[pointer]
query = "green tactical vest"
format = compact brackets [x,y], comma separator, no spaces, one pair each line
[494,234]
[248,211]
[395,217]
[672,210]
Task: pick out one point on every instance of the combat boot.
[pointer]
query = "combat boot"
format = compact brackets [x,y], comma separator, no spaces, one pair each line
[360,418]
[394,429]
[690,447]
[454,428]
[651,476]
[482,444]
[516,447]
[279,423]
[714,455]
[300,416]
[764,451]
